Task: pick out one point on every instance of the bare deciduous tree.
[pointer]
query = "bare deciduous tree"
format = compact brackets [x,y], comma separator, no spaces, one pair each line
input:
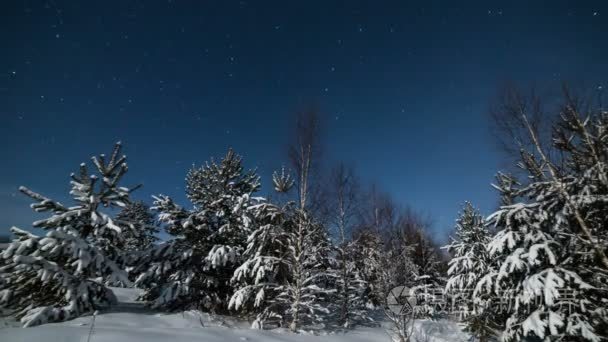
[305,153]
[510,131]
[344,200]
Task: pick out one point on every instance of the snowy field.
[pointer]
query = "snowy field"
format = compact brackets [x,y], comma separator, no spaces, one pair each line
[130,322]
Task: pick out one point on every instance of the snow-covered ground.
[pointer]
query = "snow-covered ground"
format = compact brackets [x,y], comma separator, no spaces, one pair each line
[130,322]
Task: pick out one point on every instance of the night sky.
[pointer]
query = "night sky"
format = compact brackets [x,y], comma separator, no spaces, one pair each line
[404,88]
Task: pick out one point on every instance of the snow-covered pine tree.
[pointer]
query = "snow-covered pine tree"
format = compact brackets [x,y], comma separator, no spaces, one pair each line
[428,280]
[470,261]
[352,288]
[306,296]
[267,266]
[550,246]
[367,254]
[58,276]
[286,275]
[142,232]
[195,268]
[282,182]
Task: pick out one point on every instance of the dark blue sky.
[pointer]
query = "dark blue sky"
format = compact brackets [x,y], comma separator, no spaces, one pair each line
[404,87]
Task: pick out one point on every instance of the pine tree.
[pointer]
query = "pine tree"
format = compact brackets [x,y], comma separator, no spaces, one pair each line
[367,254]
[286,276]
[57,277]
[267,266]
[469,262]
[352,288]
[142,232]
[550,245]
[306,296]
[427,278]
[282,181]
[194,269]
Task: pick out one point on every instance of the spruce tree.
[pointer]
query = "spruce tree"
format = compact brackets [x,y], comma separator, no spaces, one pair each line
[142,232]
[58,276]
[195,268]
[352,288]
[427,279]
[286,277]
[367,254]
[470,261]
[550,246]
[266,268]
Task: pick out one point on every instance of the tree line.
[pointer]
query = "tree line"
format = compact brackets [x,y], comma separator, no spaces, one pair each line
[318,252]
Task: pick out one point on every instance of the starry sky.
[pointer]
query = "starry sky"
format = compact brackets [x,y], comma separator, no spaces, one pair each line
[403,88]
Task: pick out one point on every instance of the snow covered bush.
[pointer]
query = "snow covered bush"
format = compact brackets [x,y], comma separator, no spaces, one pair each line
[59,276]
[194,269]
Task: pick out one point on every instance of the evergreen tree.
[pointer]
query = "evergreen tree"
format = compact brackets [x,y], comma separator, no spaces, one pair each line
[367,254]
[470,261]
[550,246]
[57,276]
[286,276]
[267,266]
[427,278]
[282,182]
[306,295]
[194,269]
[352,288]
[142,232]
